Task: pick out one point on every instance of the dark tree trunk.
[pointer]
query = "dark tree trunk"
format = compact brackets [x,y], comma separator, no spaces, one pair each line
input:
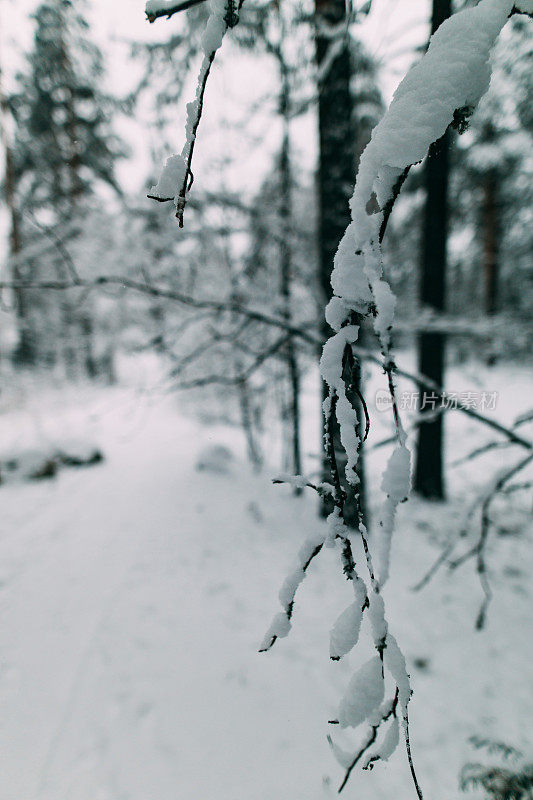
[336,174]
[24,353]
[285,213]
[490,244]
[89,360]
[429,473]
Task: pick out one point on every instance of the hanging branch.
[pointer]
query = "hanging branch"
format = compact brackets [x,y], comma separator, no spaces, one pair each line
[419,115]
[177,177]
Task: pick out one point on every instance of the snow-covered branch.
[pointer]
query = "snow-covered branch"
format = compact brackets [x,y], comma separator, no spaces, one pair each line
[177,177]
[441,91]
[156,9]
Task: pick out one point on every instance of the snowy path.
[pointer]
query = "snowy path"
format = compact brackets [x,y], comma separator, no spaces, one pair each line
[127,647]
[132,599]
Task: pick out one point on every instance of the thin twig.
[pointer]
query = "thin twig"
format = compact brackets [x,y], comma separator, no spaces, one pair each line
[370,740]
[171,10]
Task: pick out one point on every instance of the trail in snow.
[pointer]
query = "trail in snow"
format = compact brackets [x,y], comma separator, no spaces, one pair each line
[133,597]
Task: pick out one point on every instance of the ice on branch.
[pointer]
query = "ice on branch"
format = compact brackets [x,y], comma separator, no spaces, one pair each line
[364,694]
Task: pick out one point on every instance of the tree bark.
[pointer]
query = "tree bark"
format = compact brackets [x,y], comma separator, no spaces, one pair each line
[336,174]
[429,472]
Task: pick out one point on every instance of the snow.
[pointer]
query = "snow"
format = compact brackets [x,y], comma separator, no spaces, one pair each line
[171,178]
[347,419]
[395,663]
[279,627]
[133,595]
[345,632]
[388,746]
[215,28]
[376,615]
[215,458]
[154,6]
[396,480]
[364,694]
[290,585]
[331,359]
[526,6]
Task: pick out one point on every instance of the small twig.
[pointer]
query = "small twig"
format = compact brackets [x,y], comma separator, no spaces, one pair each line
[410,756]
[370,740]
[477,550]
[171,10]
[60,247]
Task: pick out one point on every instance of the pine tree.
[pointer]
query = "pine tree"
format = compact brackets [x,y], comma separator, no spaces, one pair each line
[64,149]
[494,161]
[64,142]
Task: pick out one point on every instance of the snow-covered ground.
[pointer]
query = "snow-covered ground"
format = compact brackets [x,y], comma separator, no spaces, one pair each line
[134,594]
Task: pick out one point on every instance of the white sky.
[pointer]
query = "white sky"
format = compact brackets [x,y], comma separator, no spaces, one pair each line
[392,30]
